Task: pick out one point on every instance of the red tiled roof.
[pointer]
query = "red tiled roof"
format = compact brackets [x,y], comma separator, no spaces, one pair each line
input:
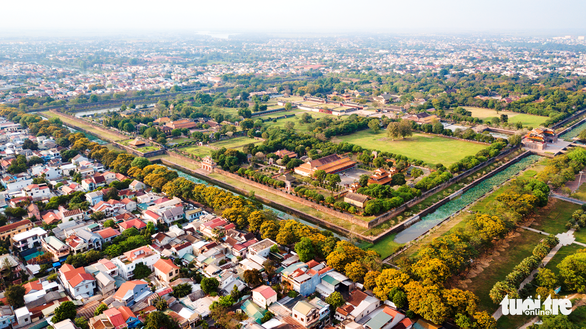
[9,227]
[265,291]
[165,265]
[108,232]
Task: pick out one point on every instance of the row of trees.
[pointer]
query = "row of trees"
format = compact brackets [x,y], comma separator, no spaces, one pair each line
[510,284]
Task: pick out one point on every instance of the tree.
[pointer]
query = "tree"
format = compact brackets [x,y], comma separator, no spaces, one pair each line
[100,309]
[389,279]
[573,271]
[252,277]
[305,250]
[370,279]
[355,271]
[374,125]
[546,278]
[140,162]
[405,128]
[160,320]
[431,271]
[393,130]
[288,106]
[182,290]
[15,295]
[500,290]
[226,301]
[335,299]
[209,285]
[269,230]
[426,301]
[515,140]
[66,310]
[81,323]
[98,215]
[255,220]
[141,271]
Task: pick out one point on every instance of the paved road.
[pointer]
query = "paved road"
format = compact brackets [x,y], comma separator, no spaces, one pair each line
[565,198]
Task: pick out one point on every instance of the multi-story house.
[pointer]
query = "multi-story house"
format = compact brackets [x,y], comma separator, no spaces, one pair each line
[10,230]
[77,281]
[56,247]
[76,244]
[7,317]
[262,248]
[94,197]
[92,239]
[127,262]
[165,270]
[68,215]
[109,208]
[304,277]
[29,239]
[132,292]
[38,192]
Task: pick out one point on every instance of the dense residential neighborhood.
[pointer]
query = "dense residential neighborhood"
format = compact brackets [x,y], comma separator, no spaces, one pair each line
[186,259]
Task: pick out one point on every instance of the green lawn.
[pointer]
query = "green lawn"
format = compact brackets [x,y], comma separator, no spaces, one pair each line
[386,246]
[580,235]
[429,148]
[580,193]
[525,119]
[233,143]
[560,255]
[200,151]
[553,219]
[519,248]
[578,316]
[299,127]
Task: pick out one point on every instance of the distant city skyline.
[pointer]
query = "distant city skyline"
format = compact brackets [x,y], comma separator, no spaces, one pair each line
[66,17]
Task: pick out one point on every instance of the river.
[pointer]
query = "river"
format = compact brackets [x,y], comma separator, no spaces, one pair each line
[99,111]
[467,198]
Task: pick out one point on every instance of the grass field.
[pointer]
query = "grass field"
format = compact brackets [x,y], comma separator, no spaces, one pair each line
[519,248]
[580,235]
[526,119]
[299,127]
[429,148]
[101,134]
[560,255]
[580,193]
[234,143]
[554,217]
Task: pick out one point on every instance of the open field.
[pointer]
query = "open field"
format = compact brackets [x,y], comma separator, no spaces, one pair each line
[553,218]
[526,119]
[299,127]
[519,247]
[233,143]
[143,149]
[429,148]
[580,235]
[107,135]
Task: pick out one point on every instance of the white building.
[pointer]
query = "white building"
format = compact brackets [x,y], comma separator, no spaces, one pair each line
[126,263]
[264,296]
[77,281]
[29,239]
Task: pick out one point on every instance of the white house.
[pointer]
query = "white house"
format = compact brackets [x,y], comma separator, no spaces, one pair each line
[261,248]
[137,186]
[264,296]
[77,281]
[29,239]
[126,263]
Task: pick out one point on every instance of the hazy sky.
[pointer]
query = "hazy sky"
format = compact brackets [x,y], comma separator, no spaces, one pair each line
[299,15]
